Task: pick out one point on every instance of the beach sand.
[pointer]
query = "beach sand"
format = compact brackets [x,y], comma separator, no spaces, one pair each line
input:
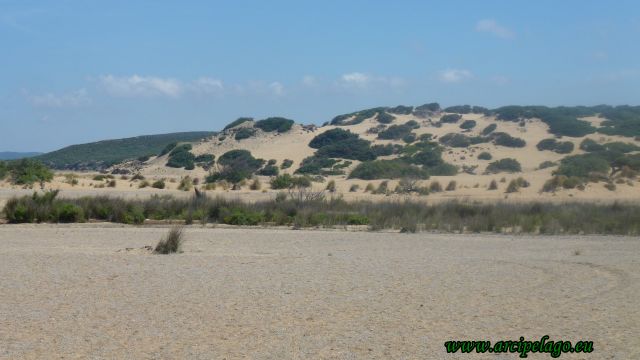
[92,291]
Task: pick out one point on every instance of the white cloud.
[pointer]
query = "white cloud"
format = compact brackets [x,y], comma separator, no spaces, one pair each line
[492,27]
[67,100]
[139,86]
[309,80]
[277,88]
[356,79]
[207,85]
[455,75]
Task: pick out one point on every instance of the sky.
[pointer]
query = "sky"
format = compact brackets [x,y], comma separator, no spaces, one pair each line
[80,71]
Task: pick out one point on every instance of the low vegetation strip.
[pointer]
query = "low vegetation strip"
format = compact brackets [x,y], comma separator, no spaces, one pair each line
[304,208]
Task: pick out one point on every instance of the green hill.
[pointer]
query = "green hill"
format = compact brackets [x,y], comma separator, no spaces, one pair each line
[102,154]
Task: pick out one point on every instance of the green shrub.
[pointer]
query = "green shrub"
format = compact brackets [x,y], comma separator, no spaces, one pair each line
[316,165]
[387,169]
[504,139]
[485,156]
[269,170]
[582,166]
[561,147]
[562,121]
[504,165]
[68,213]
[235,166]
[331,137]
[353,148]
[426,109]
[158,184]
[395,132]
[401,110]
[278,124]
[385,118]
[409,138]
[468,124]
[243,217]
[590,145]
[489,129]
[460,140]
[27,171]
[356,117]
[493,185]
[286,181]
[450,118]
[168,148]
[181,157]
[244,133]
[356,219]
[286,163]
[237,122]
[546,164]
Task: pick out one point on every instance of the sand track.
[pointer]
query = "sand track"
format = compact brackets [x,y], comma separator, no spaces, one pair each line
[75,291]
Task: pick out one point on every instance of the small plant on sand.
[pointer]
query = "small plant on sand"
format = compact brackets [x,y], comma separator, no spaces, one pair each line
[493,185]
[451,186]
[170,243]
[354,188]
[369,188]
[255,185]
[158,184]
[331,186]
[185,184]
[435,187]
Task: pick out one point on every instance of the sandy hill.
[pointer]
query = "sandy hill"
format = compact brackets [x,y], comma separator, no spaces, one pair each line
[463,152]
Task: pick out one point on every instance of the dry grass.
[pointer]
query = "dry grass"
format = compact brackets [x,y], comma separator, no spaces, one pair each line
[171,243]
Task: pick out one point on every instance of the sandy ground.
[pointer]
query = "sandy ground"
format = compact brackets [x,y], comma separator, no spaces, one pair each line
[74,291]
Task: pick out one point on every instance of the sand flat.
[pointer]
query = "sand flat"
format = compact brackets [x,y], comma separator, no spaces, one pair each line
[73,291]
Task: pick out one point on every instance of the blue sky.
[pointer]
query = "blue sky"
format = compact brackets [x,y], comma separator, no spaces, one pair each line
[80,71]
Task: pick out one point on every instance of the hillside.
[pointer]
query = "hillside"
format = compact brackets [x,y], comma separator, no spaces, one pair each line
[11,155]
[459,152]
[102,154]
[472,151]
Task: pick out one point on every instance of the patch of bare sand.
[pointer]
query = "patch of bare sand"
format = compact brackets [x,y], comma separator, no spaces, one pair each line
[70,291]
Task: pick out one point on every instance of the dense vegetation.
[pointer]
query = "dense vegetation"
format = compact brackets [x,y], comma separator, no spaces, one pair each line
[237,122]
[181,157]
[102,154]
[299,210]
[272,124]
[418,160]
[426,110]
[551,144]
[467,109]
[387,169]
[395,132]
[401,110]
[450,118]
[25,171]
[357,117]
[489,129]
[244,133]
[468,124]
[331,137]
[504,165]
[235,166]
